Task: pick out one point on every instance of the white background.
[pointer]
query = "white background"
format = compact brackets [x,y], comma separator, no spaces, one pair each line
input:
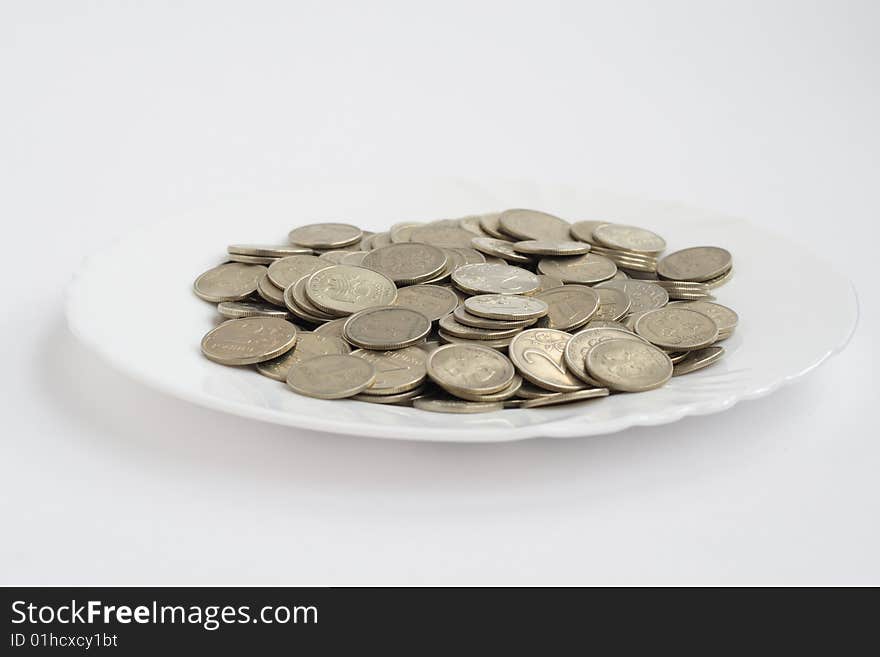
[114,114]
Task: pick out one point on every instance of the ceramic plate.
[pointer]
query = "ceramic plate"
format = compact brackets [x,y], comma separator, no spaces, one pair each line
[133,304]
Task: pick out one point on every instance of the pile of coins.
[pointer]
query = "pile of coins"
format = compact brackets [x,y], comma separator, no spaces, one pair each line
[505,310]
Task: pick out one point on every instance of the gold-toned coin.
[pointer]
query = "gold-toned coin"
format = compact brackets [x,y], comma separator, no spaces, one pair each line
[386,328]
[569,307]
[628,365]
[231,281]
[479,370]
[269,291]
[697,360]
[239,309]
[451,326]
[342,289]
[581,342]
[397,371]
[643,295]
[495,279]
[565,397]
[584,269]
[538,356]
[677,328]
[510,307]
[533,225]
[551,248]
[325,236]
[613,304]
[406,263]
[500,249]
[308,345]
[289,270]
[249,340]
[583,230]
[462,316]
[335,376]
[440,405]
[698,263]
[267,250]
[433,301]
[629,238]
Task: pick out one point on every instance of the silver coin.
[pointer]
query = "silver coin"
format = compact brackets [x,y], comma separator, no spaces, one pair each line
[334,376]
[501,395]
[489,223]
[268,291]
[698,263]
[239,309]
[433,301]
[470,256]
[402,231]
[530,391]
[677,328]
[386,328]
[628,365]
[583,230]
[643,295]
[581,342]
[462,316]
[406,263]
[397,371]
[551,248]
[268,250]
[289,270]
[569,306]
[231,281]
[718,281]
[533,225]
[511,307]
[500,249]
[538,356]
[479,370]
[355,258]
[379,240]
[401,398]
[332,329]
[697,360]
[325,236]
[549,282]
[495,279]
[296,299]
[613,304]
[584,269]
[471,223]
[440,405]
[604,323]
[629,238]
[498,343]
[343,289]
[308,345]
[249,340]
[565,397]
[450,326]
[725,318]
[335,257]
[250,260]
[442,235]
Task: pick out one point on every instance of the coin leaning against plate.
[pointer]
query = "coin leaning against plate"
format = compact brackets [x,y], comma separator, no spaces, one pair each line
[344,289]
[565,397]
[697,360]
[477,369]
[698,263]
[325,235]
[585,269]
[676,328]
[629,238]
[249,340]
[643,295]
[334,376]
[397,371]
[575,354]
[628,365]
[569,307]
[511,307]
[386,328]
[533,225]
[551,248]
[406,263]
[231,281]
[239,309]
[495,279]
[308,345]
[433,301]
[538,356]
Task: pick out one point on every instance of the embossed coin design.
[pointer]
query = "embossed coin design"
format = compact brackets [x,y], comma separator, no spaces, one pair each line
[308,345]
[433,301]
[613,304]
[538,356]
[289,270]
[335,376]
[585,269]
[396,371]
[344,289]
[576,350]
[628,365]
[249,340]
[569,306]
[477,369]
[643,295]
[388,327]
[232,281]
[680,329]
[406,263]
[495,279]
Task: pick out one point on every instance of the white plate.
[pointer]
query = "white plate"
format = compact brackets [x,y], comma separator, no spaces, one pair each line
[133,304]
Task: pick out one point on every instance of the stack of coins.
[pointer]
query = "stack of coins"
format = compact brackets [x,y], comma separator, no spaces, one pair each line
[517,309]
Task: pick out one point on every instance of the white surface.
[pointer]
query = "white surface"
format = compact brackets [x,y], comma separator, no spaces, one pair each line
[762,355]
[112,117]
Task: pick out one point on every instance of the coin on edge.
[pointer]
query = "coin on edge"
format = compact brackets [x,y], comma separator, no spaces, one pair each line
[231,281]
[551,248]
[249,340]
[629,365]
[334,376]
